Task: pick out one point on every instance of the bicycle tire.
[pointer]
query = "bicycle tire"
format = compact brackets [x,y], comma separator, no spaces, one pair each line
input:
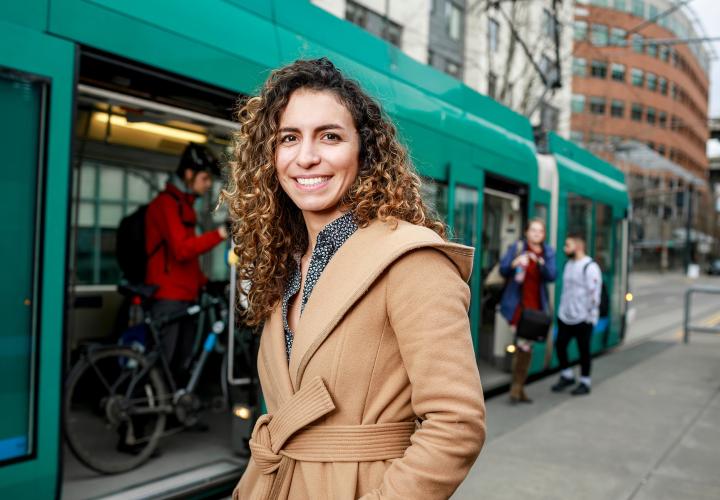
[89,455]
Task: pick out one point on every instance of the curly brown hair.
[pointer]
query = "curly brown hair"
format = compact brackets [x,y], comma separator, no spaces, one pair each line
[267,227]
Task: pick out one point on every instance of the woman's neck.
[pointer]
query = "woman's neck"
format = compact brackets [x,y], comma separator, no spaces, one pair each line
[315,222]
[536,247]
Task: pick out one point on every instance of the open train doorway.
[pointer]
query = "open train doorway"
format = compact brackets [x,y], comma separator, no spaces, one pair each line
[504,216]
[132,125]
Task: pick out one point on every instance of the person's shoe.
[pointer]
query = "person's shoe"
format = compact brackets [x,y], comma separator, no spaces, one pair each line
[562,384]
[581,390]
[524,398]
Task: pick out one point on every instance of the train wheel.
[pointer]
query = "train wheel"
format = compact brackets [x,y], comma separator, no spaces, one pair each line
[115,409]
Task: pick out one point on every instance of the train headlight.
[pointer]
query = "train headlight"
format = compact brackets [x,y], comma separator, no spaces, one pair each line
[511,348]
[628,297]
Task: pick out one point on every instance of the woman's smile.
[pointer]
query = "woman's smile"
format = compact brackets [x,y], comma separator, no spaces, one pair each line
[312,183]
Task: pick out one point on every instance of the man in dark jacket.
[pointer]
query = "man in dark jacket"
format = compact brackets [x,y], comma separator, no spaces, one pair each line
[174,248]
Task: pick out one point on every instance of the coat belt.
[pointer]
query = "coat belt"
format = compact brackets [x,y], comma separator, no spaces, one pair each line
[280,439]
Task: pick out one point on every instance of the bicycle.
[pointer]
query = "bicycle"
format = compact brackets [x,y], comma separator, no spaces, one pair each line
[118,397]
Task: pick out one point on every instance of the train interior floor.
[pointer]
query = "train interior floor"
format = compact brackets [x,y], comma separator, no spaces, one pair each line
[186,458]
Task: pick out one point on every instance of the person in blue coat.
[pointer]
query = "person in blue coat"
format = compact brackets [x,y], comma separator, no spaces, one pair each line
[528,266]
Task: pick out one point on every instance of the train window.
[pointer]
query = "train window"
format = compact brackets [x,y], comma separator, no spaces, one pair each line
[435,195]
[107,193]
[541,212]
[22,143]
[579,216]
[466,209]
[603,237]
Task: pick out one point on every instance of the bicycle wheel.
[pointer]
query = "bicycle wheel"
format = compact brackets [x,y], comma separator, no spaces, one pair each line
[115,408]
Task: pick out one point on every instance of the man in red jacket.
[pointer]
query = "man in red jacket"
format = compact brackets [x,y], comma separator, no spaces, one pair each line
[174,248]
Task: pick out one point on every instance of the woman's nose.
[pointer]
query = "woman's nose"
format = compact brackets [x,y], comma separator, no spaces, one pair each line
[307,156]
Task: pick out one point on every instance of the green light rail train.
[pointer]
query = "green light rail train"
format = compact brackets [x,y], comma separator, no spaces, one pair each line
[98,99]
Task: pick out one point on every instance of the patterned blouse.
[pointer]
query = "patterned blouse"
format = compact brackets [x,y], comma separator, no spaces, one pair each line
[329,241]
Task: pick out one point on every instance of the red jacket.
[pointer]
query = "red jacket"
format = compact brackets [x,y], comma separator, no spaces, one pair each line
[174,247]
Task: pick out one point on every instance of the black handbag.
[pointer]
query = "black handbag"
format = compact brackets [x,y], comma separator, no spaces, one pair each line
[533,325]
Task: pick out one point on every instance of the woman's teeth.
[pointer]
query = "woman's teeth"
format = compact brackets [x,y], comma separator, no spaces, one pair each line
[312,181]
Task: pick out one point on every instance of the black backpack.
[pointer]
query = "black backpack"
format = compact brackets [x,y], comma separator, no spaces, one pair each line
[604,308]
[130,244]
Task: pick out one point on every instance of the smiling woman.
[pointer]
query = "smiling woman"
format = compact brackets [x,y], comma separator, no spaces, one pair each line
[366,360]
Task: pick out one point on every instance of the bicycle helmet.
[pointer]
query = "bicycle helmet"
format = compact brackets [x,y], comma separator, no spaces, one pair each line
[198,158]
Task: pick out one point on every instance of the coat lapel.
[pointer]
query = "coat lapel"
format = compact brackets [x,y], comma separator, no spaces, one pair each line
[273,366]
[351,272]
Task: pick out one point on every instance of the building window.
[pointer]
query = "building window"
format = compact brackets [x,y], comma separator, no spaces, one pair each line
[663,86]
[652,50]
[661,149]
[664,53]
[597,105]
[492,85]
[453,20]
[578,103]
[636,112]
[453,69]
[598,69]
[549,69]
[638,8]
[650,116]
[637,77]
[620,5]
[618,72]
[651,81]
[673,91]
[548,24]
[662,119]
[579,67]
[576,136]
[652,12]
[599,35]
[581,30]
[617,109]
[617,37]
[637,43]
[493,34]
[374,23]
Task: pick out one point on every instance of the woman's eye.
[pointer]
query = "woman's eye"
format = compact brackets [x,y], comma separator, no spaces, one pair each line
[287,138]
[331,136]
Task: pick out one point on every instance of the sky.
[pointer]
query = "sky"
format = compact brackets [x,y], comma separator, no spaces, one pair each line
[709,13]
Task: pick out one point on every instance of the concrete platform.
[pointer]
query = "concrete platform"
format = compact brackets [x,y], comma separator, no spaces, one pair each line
[649,430]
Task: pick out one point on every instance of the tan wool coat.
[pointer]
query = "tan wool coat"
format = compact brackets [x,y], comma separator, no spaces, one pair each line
[382,396]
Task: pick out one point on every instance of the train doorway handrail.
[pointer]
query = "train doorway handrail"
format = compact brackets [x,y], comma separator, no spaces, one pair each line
[687,327]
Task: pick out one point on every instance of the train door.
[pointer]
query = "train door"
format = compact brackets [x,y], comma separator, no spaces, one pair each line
[466,185]
[35,97]
[132,124]
[504,209]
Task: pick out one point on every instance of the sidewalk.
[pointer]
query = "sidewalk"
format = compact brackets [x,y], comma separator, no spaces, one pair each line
[649,430]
